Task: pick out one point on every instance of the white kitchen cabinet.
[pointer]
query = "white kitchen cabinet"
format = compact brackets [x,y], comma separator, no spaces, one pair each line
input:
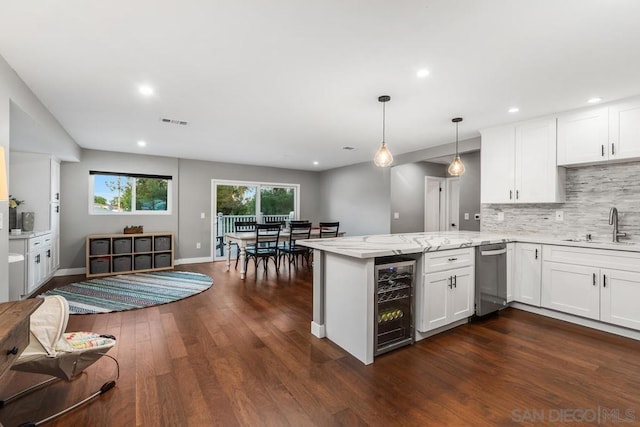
[518,164]
[600,134]
[27,276]
[571,289]
[620,298]
[592,283]
[510,270]
[527,273]
[447,289]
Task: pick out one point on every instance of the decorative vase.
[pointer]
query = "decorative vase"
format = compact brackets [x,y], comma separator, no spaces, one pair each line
[13,218]
[27,221]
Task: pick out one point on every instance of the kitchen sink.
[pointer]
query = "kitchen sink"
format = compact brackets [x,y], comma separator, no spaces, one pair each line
[598,242]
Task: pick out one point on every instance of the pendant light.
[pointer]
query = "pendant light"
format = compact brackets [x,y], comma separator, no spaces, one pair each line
[383,157]
[456,168]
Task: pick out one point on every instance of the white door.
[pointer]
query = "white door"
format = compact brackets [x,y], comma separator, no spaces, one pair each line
[526,286]
[583,137]
[536,170]
[620,298]
[573,289]
[453,204]
[624,130]
[462,302]
[497,163]
[435,300]
[434,206]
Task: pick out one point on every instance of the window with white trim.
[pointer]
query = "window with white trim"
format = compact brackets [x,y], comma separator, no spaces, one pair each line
[112,193]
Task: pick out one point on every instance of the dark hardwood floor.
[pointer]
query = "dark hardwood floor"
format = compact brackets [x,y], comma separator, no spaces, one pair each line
[241,354]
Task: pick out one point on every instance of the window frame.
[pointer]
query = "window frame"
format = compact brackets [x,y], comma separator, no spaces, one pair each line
[134,176]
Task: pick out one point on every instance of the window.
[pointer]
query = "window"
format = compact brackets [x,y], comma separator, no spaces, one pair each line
[121,193]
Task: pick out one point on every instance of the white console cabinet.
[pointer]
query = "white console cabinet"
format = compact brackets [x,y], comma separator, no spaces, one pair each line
[27,276]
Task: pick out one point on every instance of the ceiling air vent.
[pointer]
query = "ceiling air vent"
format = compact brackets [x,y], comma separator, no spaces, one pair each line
[173,121]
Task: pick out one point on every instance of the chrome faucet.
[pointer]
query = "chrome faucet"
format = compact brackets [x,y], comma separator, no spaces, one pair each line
[613,220]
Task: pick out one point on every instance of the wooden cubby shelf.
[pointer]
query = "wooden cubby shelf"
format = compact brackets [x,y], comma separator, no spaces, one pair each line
[109,254]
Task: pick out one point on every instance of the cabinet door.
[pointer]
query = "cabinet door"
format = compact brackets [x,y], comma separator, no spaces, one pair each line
[620,298]
[510,265]
[583,137]
[435,300]
[527,272]
[462,300]
[570,288]
[624,130]
[535,165]
[55,182]
[497,163]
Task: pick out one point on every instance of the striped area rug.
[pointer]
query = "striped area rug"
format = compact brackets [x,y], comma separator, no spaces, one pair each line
[129,291]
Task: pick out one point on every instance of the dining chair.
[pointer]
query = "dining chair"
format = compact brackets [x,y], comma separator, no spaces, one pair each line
[329,229]
[265,246]
[242,227]
[297,231]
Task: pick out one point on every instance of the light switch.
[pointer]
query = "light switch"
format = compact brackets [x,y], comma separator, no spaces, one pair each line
[500,216]
[201,215]
[466,216]
[198,245]
[396,215]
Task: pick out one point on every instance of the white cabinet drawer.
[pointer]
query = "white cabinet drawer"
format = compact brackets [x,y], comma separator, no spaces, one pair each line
[448,259]
[603,258]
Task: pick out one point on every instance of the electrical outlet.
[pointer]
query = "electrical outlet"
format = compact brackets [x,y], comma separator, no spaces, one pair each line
[201,215]
[396,215]
[198,245]
[500,216]
[559,216]
[466,216]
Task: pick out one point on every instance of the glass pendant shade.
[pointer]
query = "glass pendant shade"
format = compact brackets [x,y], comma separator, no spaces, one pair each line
[383,157]
[456,168]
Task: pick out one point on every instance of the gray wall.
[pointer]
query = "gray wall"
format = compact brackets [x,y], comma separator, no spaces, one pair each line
[191,196]
[359,197]
[13,93]
[75,221]
[590,192]
[195,197]
[470,191]
[407,194]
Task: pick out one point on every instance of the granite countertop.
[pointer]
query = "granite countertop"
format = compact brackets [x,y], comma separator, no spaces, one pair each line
[27,234]
[411,243]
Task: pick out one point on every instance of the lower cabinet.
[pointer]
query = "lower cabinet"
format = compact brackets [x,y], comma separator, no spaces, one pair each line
[38,266]
[448,295]
[581,281]
[510,268]
[527,273]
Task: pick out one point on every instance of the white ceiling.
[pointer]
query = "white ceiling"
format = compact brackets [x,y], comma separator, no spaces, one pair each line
[286,82]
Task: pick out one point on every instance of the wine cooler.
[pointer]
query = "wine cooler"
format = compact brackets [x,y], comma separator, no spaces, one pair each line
[394,308]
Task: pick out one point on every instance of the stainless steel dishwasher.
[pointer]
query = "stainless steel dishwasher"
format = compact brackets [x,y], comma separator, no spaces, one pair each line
[491,278]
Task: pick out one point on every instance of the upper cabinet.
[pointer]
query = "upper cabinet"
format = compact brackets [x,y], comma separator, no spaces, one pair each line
[518,164]
[600,134]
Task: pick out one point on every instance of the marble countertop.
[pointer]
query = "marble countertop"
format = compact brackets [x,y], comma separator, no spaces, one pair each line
[411,243]
[27,234]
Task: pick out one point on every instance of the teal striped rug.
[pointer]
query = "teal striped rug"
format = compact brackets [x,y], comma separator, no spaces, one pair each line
[129,291]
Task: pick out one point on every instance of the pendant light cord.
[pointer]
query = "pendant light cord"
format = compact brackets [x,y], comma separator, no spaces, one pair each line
[383,121]
[456,139]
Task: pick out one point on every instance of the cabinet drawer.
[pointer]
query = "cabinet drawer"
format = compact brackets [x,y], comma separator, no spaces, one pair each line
[448,259]
[603,258]
[18,337]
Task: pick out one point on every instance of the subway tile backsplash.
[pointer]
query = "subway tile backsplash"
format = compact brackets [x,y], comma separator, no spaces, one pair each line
[591,191]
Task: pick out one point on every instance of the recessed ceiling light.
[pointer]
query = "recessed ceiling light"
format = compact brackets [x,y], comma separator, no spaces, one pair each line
[422,73]
[316,163]
[146,90]
[514,109]
[142,143]
[594,100]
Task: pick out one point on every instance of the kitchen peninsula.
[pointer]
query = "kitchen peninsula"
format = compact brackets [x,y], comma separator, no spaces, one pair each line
[344,288]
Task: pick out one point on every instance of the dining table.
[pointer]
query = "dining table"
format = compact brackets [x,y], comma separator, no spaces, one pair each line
[242,238]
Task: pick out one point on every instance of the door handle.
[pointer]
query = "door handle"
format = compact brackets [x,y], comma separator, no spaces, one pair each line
[536,253]
[604,280]
[517,194]
[613,149]
[594,279]
[510,194]
[450,280]
[602,150]
[452,259]
[455,281]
